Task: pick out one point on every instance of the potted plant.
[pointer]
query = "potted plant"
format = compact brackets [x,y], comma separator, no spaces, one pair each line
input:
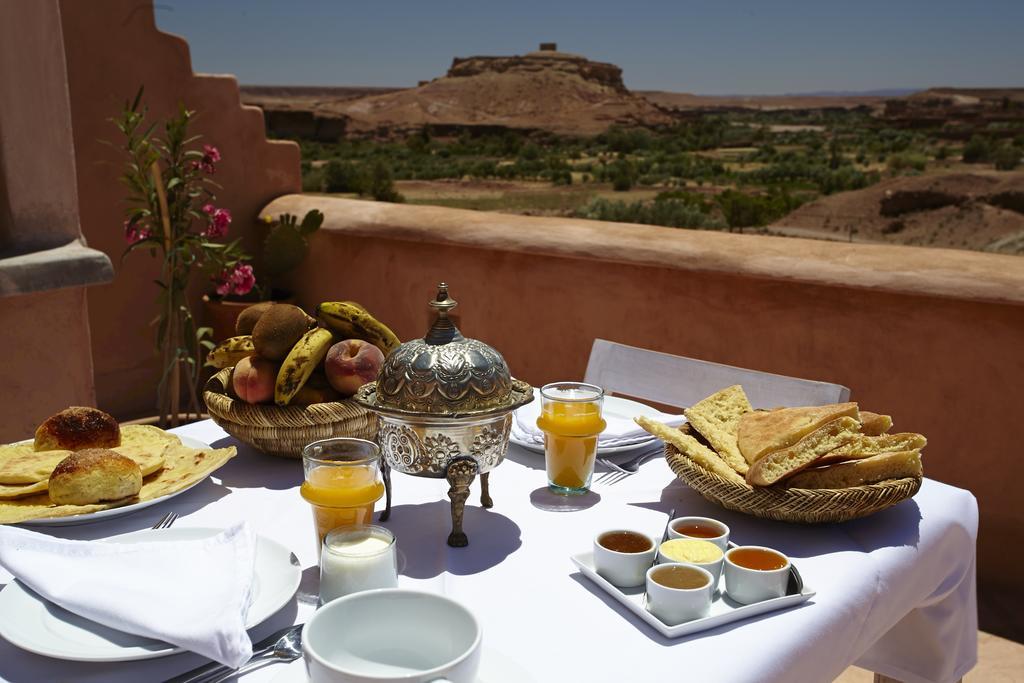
[285,246]
[172,214]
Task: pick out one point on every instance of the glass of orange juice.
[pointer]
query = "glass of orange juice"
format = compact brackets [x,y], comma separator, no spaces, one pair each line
[570,417]
[342,482]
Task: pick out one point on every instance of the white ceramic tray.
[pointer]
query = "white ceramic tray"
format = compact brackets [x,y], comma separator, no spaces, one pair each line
[723,609]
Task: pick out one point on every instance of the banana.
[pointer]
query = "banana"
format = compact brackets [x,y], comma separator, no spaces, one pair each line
[349,320]
[230,351]
[302,360]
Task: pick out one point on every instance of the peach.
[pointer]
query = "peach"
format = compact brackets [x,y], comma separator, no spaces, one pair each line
[253,379]
[352,363]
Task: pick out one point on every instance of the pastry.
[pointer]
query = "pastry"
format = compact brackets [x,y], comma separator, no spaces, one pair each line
[94,475]
[76,428]
[717,419]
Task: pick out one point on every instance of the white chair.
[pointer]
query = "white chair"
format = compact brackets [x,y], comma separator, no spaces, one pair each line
[681,382]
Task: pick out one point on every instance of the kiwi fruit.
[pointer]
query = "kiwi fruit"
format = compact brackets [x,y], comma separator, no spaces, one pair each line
[279,329]
[248,318]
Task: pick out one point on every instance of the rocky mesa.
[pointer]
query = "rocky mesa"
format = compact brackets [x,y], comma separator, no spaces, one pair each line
[546,90]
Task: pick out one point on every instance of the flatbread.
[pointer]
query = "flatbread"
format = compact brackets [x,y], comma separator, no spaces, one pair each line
[866,446]
[717,419]
[144,435]
[9,491]
[762,432]
[20,464]
[873,424]
[691,448]
[896,465]
[182,467]
[778,465]
[36,467]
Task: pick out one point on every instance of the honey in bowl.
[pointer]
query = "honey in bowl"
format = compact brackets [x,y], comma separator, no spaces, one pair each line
[757,558]
[697,530]
[625,542]
[679,577]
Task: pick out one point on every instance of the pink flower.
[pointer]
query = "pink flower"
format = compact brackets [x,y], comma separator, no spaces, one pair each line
[239,281]
[133,232]
[243,279]
[220,219]
[211,155]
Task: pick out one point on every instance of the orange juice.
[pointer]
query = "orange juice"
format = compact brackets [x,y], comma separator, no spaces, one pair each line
[341,496]
[570,441]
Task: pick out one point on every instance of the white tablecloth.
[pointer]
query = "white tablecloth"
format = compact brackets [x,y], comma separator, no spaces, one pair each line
[895,591]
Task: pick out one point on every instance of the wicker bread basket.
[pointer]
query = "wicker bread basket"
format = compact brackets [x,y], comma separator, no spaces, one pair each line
[808,506]
[284,431]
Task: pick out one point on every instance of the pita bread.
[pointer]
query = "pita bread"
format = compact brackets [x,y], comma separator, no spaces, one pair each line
[691,448]
[777,465]
[182,467]
[896,465]
[762,432]
[717,419]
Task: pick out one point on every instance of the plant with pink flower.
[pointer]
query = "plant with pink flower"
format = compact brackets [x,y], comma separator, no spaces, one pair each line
[172,211]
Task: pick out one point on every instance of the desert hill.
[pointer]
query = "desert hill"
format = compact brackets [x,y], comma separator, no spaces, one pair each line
[545,90]
[956,210]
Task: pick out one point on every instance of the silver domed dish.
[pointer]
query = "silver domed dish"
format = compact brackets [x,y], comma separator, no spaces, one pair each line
[445,407]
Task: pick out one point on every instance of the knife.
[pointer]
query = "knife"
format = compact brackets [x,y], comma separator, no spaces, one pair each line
[210,671]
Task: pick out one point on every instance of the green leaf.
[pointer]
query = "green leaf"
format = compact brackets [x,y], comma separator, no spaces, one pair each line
[311,222]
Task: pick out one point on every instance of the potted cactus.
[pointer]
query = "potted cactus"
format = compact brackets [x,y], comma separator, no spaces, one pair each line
[284,248]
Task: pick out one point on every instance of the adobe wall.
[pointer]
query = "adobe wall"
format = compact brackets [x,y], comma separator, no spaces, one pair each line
[932,336]
[112,48]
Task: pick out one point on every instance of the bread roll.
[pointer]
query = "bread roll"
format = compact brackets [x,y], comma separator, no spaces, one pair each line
[94,475]
[77,428]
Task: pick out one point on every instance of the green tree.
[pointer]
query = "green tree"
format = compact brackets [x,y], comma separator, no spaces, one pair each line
[1006,158]
[382,184]
[343,176]
[977,150]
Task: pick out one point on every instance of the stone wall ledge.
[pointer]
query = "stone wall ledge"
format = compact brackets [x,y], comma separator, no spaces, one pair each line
[70,265]
[921,271]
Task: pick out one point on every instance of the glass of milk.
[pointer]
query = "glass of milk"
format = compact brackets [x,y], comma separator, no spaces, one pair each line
[357,558]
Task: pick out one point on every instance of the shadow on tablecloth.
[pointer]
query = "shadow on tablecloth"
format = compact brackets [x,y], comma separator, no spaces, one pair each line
[893,527]
[253,469]
[421,532]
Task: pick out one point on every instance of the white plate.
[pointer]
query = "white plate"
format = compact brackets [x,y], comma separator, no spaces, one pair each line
[99,515]
[495,667]
[614,406]
[33,624]
[723,610]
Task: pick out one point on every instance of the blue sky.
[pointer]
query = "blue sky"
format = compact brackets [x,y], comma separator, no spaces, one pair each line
[701,46]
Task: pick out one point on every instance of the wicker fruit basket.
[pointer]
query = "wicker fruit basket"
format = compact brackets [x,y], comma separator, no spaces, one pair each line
[807,506]
[284,431]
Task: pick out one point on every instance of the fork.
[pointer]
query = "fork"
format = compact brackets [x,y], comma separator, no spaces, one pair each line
[283,646]
[166,521]
[617,472]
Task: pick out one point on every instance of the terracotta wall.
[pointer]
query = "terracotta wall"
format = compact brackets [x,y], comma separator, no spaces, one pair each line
[950,367]
[112,48]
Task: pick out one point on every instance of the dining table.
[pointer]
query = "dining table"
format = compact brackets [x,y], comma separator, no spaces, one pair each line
[895,592]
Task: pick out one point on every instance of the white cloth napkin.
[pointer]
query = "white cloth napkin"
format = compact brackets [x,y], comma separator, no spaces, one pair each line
[621,429]
[191,593]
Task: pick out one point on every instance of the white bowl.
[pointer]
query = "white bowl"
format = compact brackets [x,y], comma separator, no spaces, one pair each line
[392,635]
